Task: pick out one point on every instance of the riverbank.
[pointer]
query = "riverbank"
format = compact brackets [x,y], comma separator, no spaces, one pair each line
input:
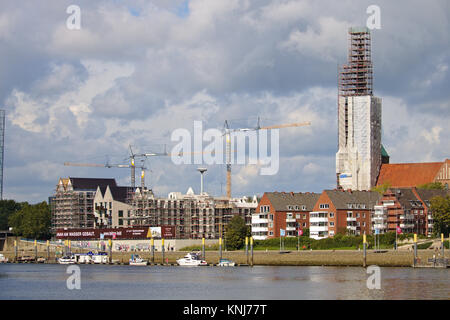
[386,258]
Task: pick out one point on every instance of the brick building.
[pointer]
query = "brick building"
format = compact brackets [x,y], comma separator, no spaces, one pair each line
[409,209]
[282,210]
[408,175]
[346,212]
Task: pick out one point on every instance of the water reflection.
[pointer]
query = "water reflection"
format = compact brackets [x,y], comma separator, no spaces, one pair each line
[27,281]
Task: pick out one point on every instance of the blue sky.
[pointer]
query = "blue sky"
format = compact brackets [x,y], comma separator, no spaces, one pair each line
[138,70]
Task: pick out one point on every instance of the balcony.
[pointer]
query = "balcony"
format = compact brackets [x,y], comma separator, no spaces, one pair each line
[318,219]
[406,225]
[430,217]
[290,220]
[318,228]
[407,217]
[291,228]
[260,229]
[352,228]
[380,226]
[351,219]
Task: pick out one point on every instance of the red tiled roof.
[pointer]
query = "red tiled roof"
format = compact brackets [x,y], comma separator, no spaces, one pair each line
[401,175]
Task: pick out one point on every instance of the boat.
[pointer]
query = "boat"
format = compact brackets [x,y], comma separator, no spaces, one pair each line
[136,260]
[3,259]
[226,263]
[100,257]
[191,259]
[67,259]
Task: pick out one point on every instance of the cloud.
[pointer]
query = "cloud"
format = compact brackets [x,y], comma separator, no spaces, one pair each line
[137,70]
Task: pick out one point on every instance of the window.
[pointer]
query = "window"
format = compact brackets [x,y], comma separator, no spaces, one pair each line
[364,215]
[364,224]
[304,224]
[120,222]
[331,224]
[303,208]
[110,205]
[304,216]
[271,216]
[357,215]
[297,207]
[297,216]
[324,206]
[331,215]
[271,233]
[121,213]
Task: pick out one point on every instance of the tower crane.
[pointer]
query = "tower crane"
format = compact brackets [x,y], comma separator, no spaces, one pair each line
[228,132]
[107,165]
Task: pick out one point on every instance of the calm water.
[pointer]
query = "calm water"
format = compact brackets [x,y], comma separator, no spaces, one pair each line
[39,281]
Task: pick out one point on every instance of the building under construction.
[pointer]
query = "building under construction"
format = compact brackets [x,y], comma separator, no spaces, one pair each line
[72,205]
[194,215]
[359,155]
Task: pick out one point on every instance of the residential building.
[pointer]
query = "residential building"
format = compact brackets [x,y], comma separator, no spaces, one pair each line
[346,212]
[286,211]
[194,215]
[72,205]
[409,209]
[111,207]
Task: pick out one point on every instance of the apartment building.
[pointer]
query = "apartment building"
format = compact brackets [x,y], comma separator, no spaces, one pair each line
[339,211]
[72,205]
[409,209]
[194,215]
[111,207]
[287,211]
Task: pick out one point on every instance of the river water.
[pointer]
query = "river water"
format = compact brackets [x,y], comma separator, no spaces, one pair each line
[42,281]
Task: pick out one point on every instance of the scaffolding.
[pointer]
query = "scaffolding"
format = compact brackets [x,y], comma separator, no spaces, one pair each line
[356,77]
[194,216]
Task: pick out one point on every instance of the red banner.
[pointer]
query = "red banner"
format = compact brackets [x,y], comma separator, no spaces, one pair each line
[167,232]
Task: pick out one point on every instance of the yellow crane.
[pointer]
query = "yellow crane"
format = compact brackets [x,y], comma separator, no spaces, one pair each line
[228,132]
[107,165]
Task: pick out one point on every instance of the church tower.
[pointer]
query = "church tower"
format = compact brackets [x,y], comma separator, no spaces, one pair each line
[358,159]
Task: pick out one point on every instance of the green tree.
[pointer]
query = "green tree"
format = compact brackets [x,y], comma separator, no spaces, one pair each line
[440,208]
[7,208]
[432,185]
[236,231]
[381,189]
[32,221]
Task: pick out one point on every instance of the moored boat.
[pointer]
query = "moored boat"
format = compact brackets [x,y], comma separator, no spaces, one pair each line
[67,259]
[226,263]
[136,260]
[3,259]
[191,259]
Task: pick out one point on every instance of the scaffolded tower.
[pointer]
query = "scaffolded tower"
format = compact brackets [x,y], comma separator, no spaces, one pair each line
[2,149]
[358,159]
[356,77]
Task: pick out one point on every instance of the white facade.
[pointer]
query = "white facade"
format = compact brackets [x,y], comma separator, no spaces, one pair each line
[358,159]
[260,226]
[108,212]
[318,225]
[380,217]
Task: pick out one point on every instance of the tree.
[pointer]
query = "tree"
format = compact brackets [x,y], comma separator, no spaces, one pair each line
[432,185]
[7,208]
[440,208]
[381,189]
[32,221]
[236,231]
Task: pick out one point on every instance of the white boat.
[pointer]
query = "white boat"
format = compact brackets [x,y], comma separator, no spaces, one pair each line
[83,258]
[3,259]
[191,259]
[67,260]
[100,257]
[226,263]
[136,260]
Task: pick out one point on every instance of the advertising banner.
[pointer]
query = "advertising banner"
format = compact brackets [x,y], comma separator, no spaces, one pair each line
[167,232]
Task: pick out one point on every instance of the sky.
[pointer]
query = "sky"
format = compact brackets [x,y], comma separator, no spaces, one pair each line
[138,70]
